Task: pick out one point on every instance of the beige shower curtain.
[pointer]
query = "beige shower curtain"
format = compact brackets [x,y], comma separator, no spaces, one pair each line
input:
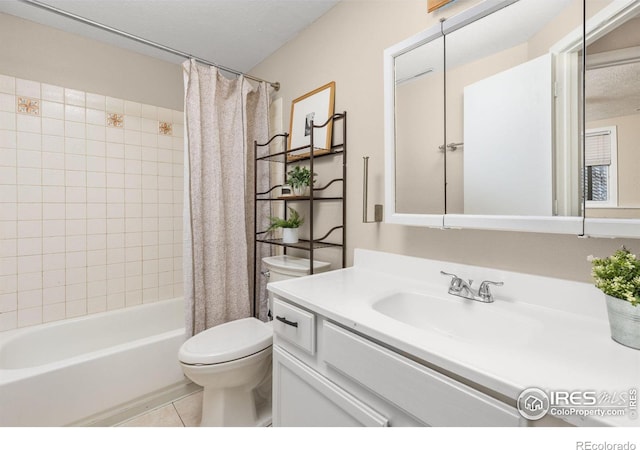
[223,118]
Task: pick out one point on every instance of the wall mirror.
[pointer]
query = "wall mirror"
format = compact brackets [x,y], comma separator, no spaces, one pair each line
[612,119]
[419,77]
[510,151]
[414,130]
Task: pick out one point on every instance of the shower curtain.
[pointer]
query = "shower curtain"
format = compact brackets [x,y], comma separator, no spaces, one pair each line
[223,118]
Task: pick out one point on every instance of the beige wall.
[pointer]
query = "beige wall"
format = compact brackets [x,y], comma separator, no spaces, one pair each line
[346,45]
[625,36]
[35,52]
[570,18]
[419,133]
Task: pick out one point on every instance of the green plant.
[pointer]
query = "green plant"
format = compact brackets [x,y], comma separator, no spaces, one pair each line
[294,221]
[300,176]
[618,275]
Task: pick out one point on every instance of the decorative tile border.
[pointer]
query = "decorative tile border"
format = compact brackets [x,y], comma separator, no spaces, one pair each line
[115,120]
[165,128]
[28,105]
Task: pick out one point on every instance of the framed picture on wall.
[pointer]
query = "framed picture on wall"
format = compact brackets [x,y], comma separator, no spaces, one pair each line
[316,106]
[432,5]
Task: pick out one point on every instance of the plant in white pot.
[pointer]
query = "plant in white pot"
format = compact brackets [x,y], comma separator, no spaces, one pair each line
[300,179]
[289,226]
[618,276]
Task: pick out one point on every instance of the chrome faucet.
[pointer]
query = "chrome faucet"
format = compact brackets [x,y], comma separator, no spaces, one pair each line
[462,288]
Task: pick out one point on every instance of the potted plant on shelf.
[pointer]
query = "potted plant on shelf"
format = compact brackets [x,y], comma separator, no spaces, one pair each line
[289,226]
[618,276]
[300,179]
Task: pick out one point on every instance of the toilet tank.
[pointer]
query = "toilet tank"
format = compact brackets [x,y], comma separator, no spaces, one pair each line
[285,267]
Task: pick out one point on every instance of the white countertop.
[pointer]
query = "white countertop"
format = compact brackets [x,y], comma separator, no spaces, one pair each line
[564,351]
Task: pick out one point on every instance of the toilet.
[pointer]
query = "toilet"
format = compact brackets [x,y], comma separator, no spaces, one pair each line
[232,361]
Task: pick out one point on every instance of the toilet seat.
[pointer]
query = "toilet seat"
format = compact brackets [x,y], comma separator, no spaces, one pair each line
[227,342]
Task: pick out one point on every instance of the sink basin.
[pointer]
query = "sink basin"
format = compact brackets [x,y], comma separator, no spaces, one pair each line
[459,318]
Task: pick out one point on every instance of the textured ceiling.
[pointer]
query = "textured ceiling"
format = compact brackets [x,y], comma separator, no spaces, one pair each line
[613,91]
[234,33]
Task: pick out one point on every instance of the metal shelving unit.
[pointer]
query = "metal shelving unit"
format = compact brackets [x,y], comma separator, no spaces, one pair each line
[338,150]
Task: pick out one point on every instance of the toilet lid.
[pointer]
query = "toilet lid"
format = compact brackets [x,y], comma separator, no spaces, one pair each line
[226,342]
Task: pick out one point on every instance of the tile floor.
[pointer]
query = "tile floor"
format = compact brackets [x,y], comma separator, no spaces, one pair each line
[184,412]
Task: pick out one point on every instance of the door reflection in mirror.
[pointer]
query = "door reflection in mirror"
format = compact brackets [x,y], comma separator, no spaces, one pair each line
[501,102]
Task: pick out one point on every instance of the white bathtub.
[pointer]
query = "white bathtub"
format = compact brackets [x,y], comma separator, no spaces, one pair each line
[60,373]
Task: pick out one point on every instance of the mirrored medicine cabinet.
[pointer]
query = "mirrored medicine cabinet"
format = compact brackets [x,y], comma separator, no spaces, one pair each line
[487,125]
[612,119]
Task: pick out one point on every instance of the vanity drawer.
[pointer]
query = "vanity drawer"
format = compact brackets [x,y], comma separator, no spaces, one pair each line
[429,396]
[294,325]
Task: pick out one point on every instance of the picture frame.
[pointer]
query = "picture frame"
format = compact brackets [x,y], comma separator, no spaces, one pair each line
[317,105]
[433,5]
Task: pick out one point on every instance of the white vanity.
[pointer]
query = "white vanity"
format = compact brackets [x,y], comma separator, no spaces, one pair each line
[383,344]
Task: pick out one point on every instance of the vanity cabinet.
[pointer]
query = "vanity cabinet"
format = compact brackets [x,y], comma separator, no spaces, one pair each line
[304,398]
[426,394]
[345,379]
[388,338]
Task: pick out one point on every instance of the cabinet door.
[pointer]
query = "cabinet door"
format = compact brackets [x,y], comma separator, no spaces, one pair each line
[429,396]
[304,398]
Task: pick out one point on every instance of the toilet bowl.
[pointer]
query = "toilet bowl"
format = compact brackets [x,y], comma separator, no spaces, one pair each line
[229,361]
[232,361]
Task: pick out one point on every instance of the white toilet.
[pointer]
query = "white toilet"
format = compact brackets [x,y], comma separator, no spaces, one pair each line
[232,361]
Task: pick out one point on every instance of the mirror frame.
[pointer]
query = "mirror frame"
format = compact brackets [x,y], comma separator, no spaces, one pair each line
[541,224]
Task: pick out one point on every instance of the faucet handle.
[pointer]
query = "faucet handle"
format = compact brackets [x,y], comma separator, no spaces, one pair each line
[453,275]
[454,278]
[456,281]
[485,293]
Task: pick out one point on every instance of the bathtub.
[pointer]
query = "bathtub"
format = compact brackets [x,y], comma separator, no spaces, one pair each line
[60,373]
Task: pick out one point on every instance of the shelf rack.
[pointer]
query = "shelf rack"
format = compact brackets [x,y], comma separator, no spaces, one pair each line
[315,195]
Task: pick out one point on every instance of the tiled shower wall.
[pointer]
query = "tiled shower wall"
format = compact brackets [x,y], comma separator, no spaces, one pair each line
[90,203]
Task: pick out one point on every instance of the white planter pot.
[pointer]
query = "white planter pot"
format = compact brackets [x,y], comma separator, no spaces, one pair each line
[624,320]
[290,235]
[301,191]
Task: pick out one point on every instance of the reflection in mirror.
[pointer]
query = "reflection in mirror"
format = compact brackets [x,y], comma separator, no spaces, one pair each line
[419,122]
[612,115]
[504,105]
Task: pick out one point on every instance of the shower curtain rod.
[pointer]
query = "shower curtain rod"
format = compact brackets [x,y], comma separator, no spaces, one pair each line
[133,37]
